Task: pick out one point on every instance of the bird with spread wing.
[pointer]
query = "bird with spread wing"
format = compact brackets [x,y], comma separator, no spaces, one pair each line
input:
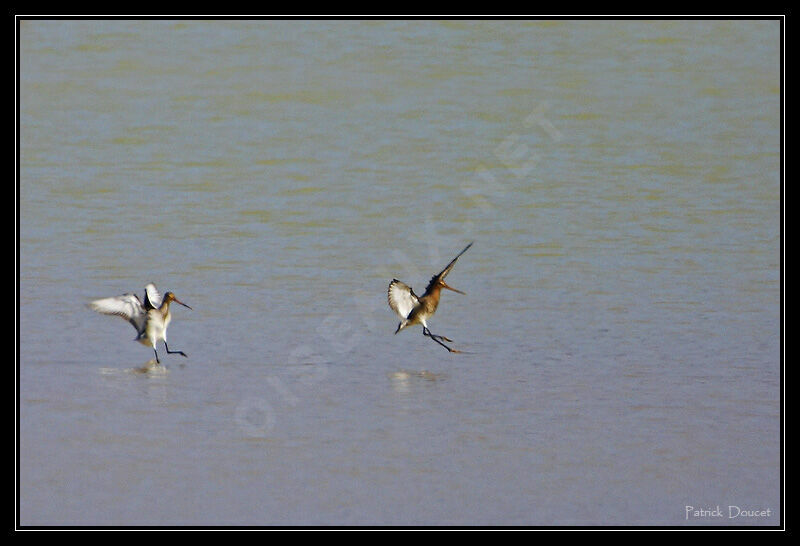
[413,309]
[150,318]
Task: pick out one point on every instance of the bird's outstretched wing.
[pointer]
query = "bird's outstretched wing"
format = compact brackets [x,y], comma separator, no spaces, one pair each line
[126,306]
[152,297]
[402,298]
[446,270]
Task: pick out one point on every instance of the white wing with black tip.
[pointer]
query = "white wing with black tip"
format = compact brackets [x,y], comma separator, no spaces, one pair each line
[152,297]
[126,306]
[402,298]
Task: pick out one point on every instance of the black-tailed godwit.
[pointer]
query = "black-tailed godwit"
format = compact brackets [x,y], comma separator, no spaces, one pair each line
[417,310]
[150,318]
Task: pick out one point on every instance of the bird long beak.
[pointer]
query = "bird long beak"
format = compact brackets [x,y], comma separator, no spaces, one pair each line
[176,300]
[445,285]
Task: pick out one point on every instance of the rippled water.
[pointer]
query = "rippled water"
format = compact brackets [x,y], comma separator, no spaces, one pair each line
[620,180]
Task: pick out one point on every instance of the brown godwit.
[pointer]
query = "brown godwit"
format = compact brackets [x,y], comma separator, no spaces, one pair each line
[417,310]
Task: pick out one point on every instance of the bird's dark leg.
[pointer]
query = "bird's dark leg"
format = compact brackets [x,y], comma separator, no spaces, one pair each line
[156,352]
[426,332]
[174,352]
[434,336]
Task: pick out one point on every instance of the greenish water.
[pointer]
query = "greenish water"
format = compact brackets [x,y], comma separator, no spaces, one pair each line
[620,180]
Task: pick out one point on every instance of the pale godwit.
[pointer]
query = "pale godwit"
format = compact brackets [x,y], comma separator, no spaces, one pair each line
[417,310]
[150,319]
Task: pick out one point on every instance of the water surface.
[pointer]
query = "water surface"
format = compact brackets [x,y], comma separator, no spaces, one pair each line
[620,180]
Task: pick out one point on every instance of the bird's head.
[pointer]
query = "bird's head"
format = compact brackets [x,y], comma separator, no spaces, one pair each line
[170,297]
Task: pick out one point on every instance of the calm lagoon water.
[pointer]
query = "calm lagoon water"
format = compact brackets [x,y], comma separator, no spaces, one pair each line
[620,180]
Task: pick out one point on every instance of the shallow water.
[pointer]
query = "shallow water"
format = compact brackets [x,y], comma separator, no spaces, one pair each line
[622,311]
